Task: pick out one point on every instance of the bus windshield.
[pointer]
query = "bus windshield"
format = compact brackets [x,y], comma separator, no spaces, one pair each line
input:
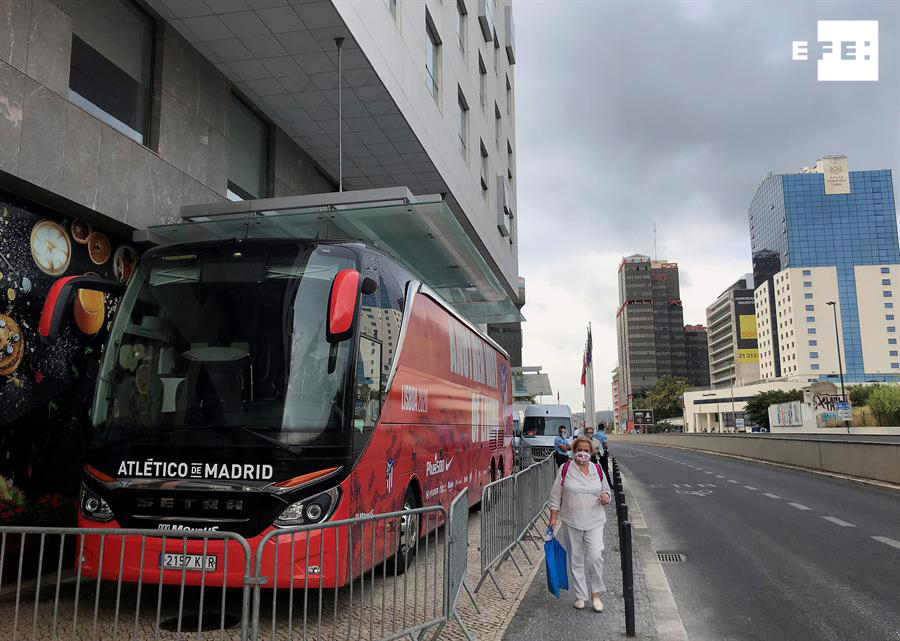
[546,425]
[226,342]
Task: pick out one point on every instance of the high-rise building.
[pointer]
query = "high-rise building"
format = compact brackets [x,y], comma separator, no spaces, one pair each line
[696,355]
[826,235]
[649,327]
[731,323]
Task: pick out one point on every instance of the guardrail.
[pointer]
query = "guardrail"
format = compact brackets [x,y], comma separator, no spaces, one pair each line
[510,508]
[380,577]
[877,461]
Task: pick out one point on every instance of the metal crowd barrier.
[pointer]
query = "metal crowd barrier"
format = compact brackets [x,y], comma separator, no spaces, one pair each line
[510,508]
[337,580]
[63,587]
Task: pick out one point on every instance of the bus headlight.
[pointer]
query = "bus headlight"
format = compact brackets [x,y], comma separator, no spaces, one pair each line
[93,507]
[314,509]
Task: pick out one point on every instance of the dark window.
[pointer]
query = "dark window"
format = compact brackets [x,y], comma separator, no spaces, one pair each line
[109,77]
[247,152]
[432,56]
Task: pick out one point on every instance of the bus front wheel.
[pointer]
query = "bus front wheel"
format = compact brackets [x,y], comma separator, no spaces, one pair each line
[408,534]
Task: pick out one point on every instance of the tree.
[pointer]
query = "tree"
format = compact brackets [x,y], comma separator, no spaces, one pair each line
[665,397]
[884,402]
[859,394]
[757,409]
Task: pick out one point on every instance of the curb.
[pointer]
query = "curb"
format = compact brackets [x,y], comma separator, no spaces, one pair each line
[666,619]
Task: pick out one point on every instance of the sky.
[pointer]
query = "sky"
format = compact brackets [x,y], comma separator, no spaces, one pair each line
[630,113]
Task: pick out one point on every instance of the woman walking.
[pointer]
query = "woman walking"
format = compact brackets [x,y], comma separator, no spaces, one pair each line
[578,497]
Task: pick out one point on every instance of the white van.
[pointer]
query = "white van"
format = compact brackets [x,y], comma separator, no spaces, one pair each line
[541,427]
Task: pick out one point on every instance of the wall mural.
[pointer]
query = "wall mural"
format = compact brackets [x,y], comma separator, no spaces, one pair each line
[46,390]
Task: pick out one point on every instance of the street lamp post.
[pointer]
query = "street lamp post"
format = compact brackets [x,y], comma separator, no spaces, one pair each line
[837,340]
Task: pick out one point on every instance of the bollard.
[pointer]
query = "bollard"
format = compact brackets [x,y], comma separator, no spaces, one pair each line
[622,522]
[628,579]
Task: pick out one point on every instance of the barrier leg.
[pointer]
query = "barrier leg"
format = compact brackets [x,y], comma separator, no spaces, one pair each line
[463,626]
[471,597]
[490,573]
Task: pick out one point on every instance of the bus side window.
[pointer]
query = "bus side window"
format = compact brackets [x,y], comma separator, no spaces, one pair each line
[367,397]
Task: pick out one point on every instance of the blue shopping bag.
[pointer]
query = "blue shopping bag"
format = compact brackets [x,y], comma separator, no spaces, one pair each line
[555,558]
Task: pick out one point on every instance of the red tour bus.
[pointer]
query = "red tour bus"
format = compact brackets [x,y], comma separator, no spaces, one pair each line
[251,385]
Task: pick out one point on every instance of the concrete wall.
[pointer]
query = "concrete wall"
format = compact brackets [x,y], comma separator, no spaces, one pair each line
[50,143]
[868,460]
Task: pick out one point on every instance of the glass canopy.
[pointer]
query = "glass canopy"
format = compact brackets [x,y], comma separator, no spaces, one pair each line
[422,233]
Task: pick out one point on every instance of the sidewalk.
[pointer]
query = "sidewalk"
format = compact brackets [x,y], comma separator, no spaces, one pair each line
[540,616]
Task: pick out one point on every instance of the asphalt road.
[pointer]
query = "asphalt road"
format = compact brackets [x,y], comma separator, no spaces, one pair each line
[772,553]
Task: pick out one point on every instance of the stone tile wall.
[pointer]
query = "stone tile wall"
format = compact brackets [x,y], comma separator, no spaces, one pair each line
[52,143]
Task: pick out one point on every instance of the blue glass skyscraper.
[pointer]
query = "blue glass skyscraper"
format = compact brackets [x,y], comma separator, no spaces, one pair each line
[794,223]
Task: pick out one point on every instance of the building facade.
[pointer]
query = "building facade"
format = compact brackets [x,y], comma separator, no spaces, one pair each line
[696,355]
[824,217]
[723,409]
[649,327]
[732,333]
[116,114]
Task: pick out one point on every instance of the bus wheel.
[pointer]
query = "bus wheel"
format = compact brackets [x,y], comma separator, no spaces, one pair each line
[408,534]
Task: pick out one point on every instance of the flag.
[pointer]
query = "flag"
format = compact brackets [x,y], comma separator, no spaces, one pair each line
[586,361]
[590,348]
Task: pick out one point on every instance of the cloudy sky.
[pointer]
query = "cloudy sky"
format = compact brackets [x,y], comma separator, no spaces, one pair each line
[630,112]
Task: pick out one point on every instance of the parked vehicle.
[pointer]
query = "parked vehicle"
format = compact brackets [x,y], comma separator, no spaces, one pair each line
[541,426]
[250,385]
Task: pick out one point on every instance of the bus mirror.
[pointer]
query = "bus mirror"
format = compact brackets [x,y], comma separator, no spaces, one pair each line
[342,305]
[61,294]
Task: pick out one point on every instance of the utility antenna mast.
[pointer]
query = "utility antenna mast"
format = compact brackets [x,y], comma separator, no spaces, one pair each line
[654,239]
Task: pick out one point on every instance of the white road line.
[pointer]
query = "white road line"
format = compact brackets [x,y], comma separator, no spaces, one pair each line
[799,506]
[749,487]
[710,472]
[719,476]
[887,541]
[733,481]
[838,521]
[771,496]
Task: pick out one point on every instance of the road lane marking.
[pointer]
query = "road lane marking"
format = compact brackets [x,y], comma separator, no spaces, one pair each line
[887,541]
[710,472]
[837,521]
[771,496]
[749,487]
[799,506]
[706,484]
[733,481]
[719,476]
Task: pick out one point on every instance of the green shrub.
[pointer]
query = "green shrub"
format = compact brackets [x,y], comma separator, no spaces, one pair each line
[884,401]
[859,394]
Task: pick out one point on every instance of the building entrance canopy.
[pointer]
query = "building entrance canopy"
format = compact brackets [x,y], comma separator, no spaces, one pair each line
[420,232]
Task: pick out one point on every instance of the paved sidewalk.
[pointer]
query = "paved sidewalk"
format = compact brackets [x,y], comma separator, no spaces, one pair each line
[541,616]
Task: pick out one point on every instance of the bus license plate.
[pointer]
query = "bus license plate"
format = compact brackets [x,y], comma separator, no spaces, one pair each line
[187,562]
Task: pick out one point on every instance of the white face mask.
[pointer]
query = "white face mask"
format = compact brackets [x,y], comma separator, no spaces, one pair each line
[582,457]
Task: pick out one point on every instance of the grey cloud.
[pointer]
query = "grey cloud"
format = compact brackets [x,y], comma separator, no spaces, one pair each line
[628,112]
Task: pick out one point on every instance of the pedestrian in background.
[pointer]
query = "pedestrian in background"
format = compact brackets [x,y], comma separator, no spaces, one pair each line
[577,498]
[561,447]
[603,439]
[596,449]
